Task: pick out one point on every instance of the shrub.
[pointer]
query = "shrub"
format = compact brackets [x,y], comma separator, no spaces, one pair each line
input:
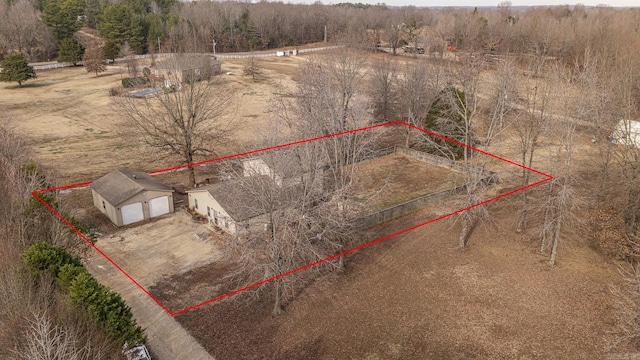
[105,306]
[68,273]
[42,257]
[115,91]
[135,81]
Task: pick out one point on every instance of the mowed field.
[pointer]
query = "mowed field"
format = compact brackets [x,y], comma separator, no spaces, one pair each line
[413,297]
[79,135]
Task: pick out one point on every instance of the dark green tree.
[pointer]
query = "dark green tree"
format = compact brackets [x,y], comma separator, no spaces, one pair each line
[119,23]
[16,68]
[70,50]
[110,50]
[445,120]
[62,17]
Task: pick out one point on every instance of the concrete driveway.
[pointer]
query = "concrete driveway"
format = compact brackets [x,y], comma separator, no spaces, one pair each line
[148,253]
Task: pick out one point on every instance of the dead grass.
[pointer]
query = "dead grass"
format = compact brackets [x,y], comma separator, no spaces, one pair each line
[412,297]
[415,297]
[394,179]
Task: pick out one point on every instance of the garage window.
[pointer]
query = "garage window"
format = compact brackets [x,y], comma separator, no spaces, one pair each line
[195,203]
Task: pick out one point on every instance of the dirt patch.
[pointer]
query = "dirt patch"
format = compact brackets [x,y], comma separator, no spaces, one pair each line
[173,244]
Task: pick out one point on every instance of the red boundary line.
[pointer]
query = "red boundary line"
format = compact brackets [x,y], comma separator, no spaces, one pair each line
[547,177]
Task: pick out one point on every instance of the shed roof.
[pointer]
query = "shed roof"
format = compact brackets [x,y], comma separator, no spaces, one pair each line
[121,185]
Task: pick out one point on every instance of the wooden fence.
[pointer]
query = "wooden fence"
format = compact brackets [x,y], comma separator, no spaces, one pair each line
[394,212]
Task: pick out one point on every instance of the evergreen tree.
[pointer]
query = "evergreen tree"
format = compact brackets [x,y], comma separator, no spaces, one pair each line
[70,50]
[444,119]
[62,17]
[110,50]
[16,68]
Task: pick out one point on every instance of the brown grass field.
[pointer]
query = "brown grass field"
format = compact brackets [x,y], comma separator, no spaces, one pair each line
[412,297]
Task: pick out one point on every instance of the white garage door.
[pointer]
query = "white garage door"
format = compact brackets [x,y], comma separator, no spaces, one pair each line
[132,213]
[159,206]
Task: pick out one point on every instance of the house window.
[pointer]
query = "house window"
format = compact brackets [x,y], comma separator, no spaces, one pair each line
[104,206]
[208,211]
[195,203]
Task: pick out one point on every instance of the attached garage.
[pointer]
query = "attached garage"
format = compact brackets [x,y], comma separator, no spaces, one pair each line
[127,197]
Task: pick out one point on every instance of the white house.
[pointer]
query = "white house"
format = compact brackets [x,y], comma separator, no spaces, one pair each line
[627,132]
[228,206]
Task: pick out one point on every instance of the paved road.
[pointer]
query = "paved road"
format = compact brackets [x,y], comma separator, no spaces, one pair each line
[167,339]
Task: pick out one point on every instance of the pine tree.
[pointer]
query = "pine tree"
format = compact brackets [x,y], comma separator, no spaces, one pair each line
[16,68]
[70,50]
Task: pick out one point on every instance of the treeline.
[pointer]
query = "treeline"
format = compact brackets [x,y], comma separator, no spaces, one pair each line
[50,306]
[36,27]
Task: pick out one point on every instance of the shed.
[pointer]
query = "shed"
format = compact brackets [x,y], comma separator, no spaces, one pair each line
[627,132]
[127,196]
[229,205]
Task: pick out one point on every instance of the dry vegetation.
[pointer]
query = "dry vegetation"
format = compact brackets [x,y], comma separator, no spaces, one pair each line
[419,295]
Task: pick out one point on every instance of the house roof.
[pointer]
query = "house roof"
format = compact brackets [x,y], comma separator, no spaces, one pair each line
[120,185]
[235,197]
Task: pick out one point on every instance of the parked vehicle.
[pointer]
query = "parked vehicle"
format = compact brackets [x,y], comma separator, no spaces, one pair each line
[138,352]
[413,49]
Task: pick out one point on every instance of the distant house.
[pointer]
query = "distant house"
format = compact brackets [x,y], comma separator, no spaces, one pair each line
[229,206]
[181,68]
[627,132]
[127,196]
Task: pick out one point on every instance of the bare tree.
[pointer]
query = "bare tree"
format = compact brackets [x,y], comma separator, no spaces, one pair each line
[626,309]
[561,196]
[464,105]
[418,90]
[93,59]
[20,27]
[29,331]
[189,121]
[503,98]
[529,126]
[284,234]
[393,34]
[252,68]
[383,89]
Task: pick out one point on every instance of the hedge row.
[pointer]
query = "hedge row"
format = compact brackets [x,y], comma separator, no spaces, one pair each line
[107,307]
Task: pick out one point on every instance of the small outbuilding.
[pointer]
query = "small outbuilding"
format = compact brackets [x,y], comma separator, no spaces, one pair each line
[127,196]
[627,132]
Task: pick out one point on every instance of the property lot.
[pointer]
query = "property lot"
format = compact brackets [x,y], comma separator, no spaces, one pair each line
[174,244]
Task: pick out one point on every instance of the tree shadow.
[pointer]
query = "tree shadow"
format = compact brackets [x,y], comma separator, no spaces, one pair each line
[29,85]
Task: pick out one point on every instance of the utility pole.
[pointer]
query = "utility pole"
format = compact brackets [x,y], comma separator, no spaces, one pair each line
[213,44]
[325,33]
[158,44]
